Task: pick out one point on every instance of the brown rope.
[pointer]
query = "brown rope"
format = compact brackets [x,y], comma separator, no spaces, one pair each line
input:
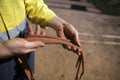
[22,59]
[57,40]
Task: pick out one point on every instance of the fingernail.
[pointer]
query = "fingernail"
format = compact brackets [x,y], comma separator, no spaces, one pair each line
[69,47]
[75,49]
[79,53]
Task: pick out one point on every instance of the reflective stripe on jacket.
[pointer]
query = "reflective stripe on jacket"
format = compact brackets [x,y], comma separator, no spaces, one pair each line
[15,32]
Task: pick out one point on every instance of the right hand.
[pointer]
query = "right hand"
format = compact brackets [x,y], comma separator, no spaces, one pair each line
[21,46]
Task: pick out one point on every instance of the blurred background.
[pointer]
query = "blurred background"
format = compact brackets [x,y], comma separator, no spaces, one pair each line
[98,23]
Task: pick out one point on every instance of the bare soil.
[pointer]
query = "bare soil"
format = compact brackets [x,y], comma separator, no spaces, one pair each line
[100,39]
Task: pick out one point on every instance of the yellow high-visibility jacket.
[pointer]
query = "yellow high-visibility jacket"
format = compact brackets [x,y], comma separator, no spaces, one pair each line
[15,11]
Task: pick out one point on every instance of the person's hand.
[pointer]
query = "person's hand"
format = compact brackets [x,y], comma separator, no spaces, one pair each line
[19,45]
[37,30]
[65,30]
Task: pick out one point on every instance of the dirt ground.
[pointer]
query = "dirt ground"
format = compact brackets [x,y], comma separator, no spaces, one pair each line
[100,39]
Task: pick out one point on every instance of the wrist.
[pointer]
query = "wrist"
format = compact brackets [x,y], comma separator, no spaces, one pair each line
[56,23]
[4,51]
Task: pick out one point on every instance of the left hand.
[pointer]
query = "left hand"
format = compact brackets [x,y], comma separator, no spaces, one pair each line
[65,30]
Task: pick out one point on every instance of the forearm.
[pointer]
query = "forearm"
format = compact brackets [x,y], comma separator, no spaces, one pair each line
[4,52]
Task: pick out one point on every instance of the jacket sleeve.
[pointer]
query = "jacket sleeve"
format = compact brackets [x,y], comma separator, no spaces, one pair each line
[38,12]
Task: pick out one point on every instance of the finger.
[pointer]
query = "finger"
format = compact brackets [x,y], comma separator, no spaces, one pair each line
[79,53]
[76,39]
[30,30]
[34,44]
[78,50]
[74,48]
[42,33]
[60,32]
[37,30]
[29,50]
[67,47]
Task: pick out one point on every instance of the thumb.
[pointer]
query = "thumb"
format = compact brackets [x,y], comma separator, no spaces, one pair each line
[35,44]
[76,40]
